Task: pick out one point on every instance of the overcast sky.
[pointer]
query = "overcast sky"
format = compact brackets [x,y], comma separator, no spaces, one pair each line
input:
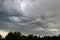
[41,17]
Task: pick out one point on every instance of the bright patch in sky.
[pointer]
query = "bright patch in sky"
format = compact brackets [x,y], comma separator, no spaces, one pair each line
[3,33]
[23,5]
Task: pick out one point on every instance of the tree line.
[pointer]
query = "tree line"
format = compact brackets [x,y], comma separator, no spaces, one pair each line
[19,36]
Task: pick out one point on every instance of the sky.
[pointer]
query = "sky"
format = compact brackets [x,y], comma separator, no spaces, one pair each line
[40,17]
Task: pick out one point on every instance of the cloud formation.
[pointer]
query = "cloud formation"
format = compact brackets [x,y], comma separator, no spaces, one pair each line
[41,17]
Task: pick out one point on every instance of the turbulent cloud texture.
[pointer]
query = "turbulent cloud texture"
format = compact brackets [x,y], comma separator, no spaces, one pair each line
[41,17]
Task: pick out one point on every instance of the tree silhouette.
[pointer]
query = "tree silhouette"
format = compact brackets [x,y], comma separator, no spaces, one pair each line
[19,36]
[13,36]
[1,38]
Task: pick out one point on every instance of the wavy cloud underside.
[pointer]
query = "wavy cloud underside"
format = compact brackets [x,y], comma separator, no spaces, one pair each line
[41,17]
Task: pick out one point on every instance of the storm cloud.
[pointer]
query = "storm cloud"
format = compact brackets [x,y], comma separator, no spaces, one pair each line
[41,17]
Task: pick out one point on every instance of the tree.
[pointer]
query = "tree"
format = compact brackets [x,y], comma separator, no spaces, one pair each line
[9,36]
[0,37]
[14,36]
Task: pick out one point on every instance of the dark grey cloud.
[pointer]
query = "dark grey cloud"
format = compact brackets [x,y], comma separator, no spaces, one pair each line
[41,17]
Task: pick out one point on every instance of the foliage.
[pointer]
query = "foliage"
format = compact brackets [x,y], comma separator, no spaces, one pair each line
[19,36]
